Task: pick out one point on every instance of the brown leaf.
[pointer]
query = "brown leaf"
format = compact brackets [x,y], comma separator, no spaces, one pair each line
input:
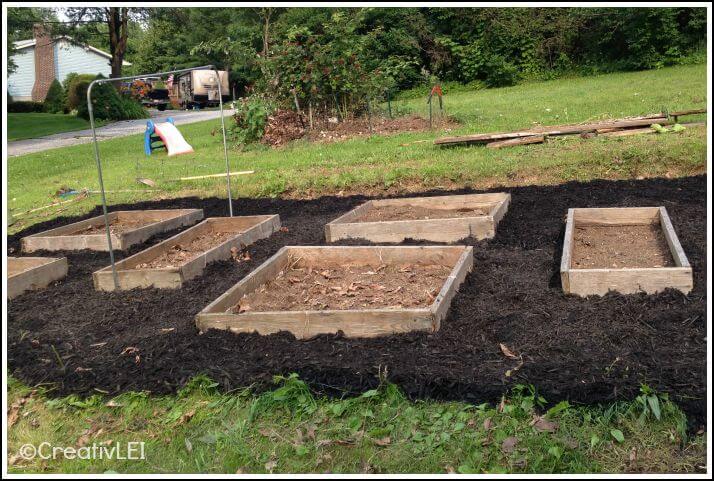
[13,414]
[385,441]
[129,350]
[185,417]
[507,352]
[487,424]
[509,444]
[542,424]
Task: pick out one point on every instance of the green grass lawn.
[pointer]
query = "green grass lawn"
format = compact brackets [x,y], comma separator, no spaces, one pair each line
[396,162]
[35,124]
[288,429]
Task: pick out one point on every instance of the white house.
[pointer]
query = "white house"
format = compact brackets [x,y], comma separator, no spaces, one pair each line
[42,59]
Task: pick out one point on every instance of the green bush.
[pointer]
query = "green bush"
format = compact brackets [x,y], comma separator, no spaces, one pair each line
[108,104]
[251,116]
[23,107]
[54,101]
[75,90]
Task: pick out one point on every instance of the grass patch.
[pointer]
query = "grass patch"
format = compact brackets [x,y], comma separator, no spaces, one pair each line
[35,124]
[395,162]
[290,430]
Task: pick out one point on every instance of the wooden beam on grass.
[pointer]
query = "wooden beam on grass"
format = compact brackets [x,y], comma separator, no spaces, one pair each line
[535,139]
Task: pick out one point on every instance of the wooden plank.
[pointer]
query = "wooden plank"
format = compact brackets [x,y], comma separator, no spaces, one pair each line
[585,282]
[680,258]
[248,229]
[552,130]
[26,273]
[64,238]
[435,230]
[565,260]
[353,323]
[212,176]
[644,131]
[680,113]
[535,139]
[616,216]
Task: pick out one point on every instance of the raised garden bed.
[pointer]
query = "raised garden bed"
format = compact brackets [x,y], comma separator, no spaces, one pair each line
[26,273]
[127,227]
[361,291]
[440,219]
[628,250]
[184,256]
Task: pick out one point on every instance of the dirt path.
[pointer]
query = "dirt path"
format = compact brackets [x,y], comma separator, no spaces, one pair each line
[584,350]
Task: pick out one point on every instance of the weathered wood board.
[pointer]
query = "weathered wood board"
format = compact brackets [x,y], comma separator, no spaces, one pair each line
[585,282]
[248,229]
[435,230]
[69,237]
[353,322]
[25,273]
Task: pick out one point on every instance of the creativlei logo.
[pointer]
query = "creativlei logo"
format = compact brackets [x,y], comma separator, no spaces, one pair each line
[132,450]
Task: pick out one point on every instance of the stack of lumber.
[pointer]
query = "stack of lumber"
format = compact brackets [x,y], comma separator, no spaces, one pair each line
[538,135]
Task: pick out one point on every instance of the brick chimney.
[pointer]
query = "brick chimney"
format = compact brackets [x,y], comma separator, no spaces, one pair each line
[44,62]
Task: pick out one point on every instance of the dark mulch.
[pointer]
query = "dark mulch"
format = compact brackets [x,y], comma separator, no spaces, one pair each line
[585,350]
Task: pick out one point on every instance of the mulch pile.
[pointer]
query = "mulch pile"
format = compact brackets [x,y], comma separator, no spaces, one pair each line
[282,127]
[586,350]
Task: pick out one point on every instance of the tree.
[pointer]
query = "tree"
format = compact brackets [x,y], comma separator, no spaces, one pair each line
[115,20]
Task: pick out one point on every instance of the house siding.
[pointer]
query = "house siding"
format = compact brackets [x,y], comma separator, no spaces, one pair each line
[20,82]
[70,57]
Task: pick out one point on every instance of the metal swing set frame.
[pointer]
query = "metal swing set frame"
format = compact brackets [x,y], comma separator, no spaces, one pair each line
[97,158]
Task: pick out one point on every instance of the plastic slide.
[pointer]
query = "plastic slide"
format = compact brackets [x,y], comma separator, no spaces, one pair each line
[170,137]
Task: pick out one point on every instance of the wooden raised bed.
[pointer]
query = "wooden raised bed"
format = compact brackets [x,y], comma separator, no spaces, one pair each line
[25,273]
[129,227]
[363,322]
[473,215]
[599,257]
[184,256]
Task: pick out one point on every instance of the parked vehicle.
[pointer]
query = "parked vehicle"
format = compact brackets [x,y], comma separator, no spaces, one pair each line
[199,88]
[150,91]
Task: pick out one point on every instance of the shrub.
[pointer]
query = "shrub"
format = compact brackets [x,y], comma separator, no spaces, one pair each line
[23,107]
[108,104]
[75,90]
[54,101]
[251,115]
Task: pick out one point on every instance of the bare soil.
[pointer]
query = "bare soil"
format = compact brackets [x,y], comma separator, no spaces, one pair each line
[412,212]
[354,287]
[585,350]
[621,246]
[117,226]
[178,253]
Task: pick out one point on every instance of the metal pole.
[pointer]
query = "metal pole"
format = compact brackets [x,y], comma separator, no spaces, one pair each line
[101,183]
[225,145]
[99,163]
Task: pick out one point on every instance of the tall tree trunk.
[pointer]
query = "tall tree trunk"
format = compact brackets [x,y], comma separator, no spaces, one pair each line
[267,13]
[118,23]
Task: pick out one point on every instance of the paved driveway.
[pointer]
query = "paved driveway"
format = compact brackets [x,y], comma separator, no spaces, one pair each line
[117,129]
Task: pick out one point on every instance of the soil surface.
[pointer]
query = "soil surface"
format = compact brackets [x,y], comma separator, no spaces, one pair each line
[178,254]
[617,247]
[585,350]
[413,212]
[308,288]
[116,226]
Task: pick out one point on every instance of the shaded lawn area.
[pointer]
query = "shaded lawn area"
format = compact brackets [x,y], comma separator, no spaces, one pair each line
[35,124]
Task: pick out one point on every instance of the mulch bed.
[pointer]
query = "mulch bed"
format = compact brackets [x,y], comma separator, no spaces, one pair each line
[585,350]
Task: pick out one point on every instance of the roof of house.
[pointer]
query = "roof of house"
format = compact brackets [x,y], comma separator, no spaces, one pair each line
[20,44]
